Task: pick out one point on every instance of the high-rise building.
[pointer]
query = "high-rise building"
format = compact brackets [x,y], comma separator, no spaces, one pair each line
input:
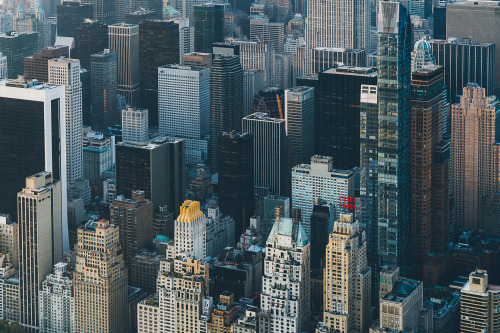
[266,101]
[3,66]
[258,56]
[208,24]
[100,280]
[186,36]
[70,15]
[16,46]
[422,56]
[135,127]
[159,45]
[283,70]
[219,231]
[41,237]
[264,31]
[36,66]
[226,100]
[270,153]
[104,90]
[321,225]
[33,22]
[324,58]
[123,39]
[394,38]
[279,10]
[299,119]
[7,275]
[156,167]
[235,188]
[183,115]
[144,269]
[346,279]
[9,238]
[223,314]
[91,37]
[104,10]
[66,72]
[190,232]
[474,154]
[186,8]
[288,306]
[320,180]
[43,106]
[337,117]
[97,156]
[253,81]
[122,8]
[430,162]
[476,20]
[271,202]
[56,301]
[197,59]
[134,218]
[477,304]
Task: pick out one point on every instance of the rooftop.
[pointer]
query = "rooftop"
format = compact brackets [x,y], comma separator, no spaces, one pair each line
[263,117]
[401,290]
[151,144]
[352,70]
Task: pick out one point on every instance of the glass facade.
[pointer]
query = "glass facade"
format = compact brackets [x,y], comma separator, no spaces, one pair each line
[208,26]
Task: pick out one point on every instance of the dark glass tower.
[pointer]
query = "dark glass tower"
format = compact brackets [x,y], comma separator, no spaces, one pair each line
[37,65]
[265,101]
[226,100]
[208,26]
[159,45]
[70,15]
[90,37]
[16,46]
[104,91]
[336,121]
[394,82]
[236,177]
[104,10]
[321,225]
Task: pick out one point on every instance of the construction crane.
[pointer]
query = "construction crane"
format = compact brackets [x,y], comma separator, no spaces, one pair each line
[279,106]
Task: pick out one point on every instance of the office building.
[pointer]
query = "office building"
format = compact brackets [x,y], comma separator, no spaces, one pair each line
[66,72]
[283,70]
[346,279]
[476,20]
[223,314]
[208,24]
[134,218]
[401,301]
[253,81]
[266,101]
[57,302]
[100,280]
[474,154]
[43,106]
[264,31]
[337,119]
[197,59]
[91,37]
[299,119]
[183,115]
[103,10]
[10,293]
[186,36]
[465,61]
[190,232]
[156,167]
[322,219]
[394,134]
[236,169]
[122,8]
[324,58]
[9,238]
[226,100]
[219,230]
[258,56]
[319,179]
[287,313]
[477,304]
[123,39]
[422,56]
[97,156]
[70,15]
[269,149]
[144,269]
[33,22]
[159,46]
[135,125]
[104,90]
[279,10]
[7,272]
[41,231]
[36,66]
[16,46]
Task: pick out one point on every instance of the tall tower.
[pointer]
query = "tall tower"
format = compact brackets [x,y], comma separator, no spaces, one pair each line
[16,46]
[40,239]
[91,37]
[66,72]
[100,280]
[190,231]
[104,90]
[104,10]
[135,125]
[394,51]
[474,154]
[286,297]
[208,24]
[70,15]
[226,100]
[124,40]
[347,306]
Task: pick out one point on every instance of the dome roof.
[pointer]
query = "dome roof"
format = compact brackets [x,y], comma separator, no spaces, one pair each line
[422,45]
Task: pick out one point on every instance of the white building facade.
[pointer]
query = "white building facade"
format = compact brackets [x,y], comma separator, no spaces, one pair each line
[135,125]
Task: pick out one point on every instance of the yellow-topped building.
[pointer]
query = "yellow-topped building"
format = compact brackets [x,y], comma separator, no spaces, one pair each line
[190,231]
[190,212]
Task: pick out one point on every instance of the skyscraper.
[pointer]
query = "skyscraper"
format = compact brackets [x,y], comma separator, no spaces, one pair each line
[183,115]
[66,72]
[394,38]
[156,167]
[41,241]
[36,66]
[321,225]
[288,241]
[299,119]
[159,45]
[104,10]
[236,191]
[135,125]
[124,40]
[474,154]
[16,46]
[104,90]
[259,56]
[100,280]
[226,100]
[70,15]
[38,142]
[270,32]
[347,279]
[208,24]
[91,37]
[190,232]
[269,149]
